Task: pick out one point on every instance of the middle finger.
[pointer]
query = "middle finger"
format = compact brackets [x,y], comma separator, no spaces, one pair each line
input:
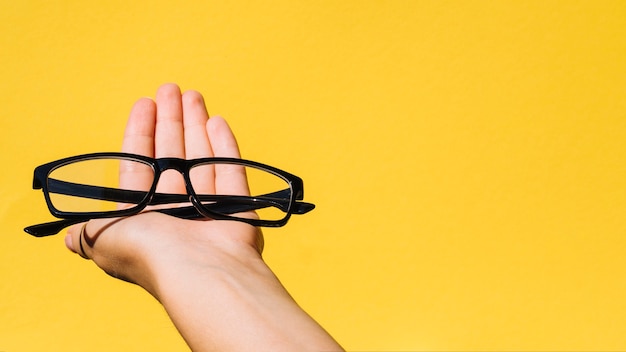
[169,135]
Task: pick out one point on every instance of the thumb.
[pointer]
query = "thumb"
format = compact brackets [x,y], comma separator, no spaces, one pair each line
[74,240]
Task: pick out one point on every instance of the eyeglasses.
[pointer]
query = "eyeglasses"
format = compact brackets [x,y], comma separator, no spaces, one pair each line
[89,186]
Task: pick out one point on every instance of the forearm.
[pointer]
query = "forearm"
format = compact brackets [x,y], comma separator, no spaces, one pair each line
[238,304]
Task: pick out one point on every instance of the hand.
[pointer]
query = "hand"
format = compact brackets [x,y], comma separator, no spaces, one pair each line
[174,126]
[209,275]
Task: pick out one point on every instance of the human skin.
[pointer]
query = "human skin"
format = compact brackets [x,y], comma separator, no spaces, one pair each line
[209,275]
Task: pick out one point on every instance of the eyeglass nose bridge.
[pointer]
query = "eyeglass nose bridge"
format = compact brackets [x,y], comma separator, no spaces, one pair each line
[177,164]
[180,165]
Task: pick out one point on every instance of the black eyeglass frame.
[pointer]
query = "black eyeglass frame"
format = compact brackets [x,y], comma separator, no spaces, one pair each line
[224,203]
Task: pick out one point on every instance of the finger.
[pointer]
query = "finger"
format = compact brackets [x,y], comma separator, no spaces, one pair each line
[75,242]
[169,135]
[140,127]
[229,179]
[195,116]
[138,139]
[197,144]
[169,123]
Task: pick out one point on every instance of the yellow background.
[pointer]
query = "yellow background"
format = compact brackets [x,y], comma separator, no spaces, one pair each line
[467,160]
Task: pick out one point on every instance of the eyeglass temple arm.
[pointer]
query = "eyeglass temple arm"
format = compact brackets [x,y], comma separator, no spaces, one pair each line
[226,205]
[53,227]
[135,197]
[190,212]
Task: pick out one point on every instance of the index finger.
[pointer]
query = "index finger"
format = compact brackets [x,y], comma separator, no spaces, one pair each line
[138,139]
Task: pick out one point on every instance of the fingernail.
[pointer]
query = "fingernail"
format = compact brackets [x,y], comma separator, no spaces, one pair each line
[68,243]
